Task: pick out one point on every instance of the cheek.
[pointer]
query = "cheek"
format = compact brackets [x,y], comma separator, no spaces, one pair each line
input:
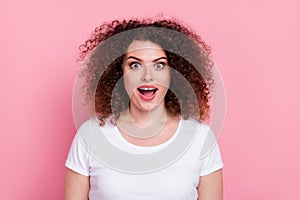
[130,82]
[165,79]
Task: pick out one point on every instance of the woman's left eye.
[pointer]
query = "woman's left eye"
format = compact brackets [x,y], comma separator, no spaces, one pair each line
[159,65]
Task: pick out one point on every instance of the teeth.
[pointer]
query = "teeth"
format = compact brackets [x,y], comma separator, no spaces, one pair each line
[147,88]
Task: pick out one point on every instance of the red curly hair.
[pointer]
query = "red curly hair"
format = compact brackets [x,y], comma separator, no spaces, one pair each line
[189,56]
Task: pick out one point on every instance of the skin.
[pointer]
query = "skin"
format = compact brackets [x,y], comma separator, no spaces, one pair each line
[146,64]
[211,186]
[77,186]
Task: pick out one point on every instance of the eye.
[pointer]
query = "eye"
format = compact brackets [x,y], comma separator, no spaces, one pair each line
[159,65]
[135,65]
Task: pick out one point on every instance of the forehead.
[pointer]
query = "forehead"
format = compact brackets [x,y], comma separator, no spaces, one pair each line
[145,49]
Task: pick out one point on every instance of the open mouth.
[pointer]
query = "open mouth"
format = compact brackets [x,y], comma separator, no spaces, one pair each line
[147,91]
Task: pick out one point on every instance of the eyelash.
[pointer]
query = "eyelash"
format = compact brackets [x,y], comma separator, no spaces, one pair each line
[133,63]
[155,65]
[160,63]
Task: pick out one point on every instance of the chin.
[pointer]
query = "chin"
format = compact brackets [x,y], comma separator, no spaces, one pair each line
[148,106]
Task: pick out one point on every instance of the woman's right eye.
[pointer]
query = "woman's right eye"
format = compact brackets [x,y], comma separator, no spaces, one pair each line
[135,65]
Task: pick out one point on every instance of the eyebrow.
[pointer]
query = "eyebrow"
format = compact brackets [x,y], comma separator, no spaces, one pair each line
[142,59]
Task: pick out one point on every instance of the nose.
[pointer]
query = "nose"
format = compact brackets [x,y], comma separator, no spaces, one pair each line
[147,74]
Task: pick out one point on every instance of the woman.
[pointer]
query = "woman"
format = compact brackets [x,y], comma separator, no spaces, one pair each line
[148,82]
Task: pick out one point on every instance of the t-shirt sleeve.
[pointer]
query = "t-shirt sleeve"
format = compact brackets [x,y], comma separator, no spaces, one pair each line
[78,156]
[211,159]
[212,162]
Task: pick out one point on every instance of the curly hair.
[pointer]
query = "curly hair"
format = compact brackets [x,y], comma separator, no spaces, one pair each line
[188,55]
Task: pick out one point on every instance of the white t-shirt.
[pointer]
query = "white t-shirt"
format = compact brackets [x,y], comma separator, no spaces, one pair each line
[120,170]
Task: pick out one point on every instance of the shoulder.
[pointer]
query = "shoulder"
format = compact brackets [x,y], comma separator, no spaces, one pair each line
[91,129]
[205,139]
[200,128]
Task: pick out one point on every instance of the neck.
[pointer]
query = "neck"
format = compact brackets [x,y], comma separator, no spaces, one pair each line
[141,124]
[145,118]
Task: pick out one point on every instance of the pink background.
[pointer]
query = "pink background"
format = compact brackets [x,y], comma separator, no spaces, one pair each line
[256,46]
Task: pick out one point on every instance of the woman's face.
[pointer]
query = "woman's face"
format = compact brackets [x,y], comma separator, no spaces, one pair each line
[146,75]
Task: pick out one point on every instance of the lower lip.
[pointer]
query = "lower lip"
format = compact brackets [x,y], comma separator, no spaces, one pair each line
[146,98]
